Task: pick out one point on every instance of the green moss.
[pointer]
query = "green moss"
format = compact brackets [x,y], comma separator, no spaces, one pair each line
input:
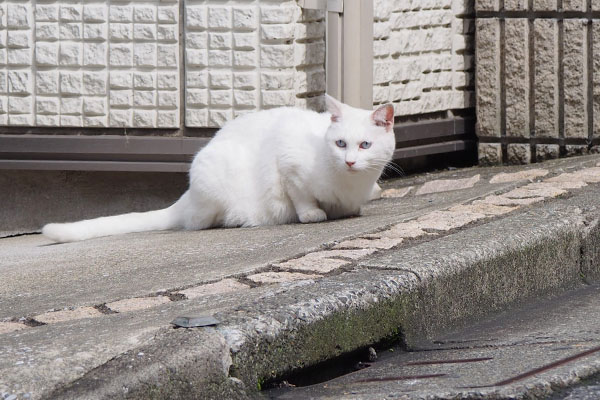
[322,340]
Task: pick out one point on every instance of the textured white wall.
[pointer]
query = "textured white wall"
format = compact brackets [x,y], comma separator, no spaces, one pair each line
[116,63]
[243,56]
[423,55]
[89,64]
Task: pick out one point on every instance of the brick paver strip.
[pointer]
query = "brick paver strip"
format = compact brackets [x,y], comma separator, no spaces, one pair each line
[534,191]
[483,208]
[322,265]
[445,185]
[224,286]
[529,174]
[383,243]
[395,193]
[446,220]
[505,201]
[53,317]
[137,303]
[276,277]
[6,327]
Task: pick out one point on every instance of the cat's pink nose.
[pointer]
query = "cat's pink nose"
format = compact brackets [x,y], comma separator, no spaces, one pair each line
[350,163]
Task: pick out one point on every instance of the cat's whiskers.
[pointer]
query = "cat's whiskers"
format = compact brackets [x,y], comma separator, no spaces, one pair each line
[387,166]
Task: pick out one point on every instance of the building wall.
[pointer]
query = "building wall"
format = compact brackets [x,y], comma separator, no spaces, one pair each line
[423,55]
[116,63]
[244,56]
[537,80]
[89,64]
[197,63]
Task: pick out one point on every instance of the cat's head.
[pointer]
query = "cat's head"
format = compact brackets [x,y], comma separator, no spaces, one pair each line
[360,140]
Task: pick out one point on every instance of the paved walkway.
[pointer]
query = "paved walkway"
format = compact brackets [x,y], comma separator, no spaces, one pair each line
[93,318]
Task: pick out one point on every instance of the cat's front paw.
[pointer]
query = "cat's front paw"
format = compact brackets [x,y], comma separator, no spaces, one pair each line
[375,192]
[311,216]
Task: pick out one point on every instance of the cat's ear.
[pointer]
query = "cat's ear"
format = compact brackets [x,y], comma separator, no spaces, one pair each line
[384,116]
[334,107]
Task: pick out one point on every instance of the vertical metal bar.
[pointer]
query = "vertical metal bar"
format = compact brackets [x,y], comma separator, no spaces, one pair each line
[357,53]
[333,69]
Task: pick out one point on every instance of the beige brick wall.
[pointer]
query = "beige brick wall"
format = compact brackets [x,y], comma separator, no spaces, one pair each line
[423,55]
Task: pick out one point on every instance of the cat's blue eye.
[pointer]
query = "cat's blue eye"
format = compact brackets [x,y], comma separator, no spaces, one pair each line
[340,143]
[365,145]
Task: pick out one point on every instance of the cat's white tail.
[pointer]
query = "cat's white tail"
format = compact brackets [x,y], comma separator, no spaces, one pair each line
[158,220]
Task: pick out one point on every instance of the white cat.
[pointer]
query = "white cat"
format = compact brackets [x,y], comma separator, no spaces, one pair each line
[271,167]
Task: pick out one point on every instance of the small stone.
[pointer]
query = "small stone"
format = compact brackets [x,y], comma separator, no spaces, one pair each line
[277,277]
[444,185]
[392,193]
[194,322]
[67,315]
[372,356]
[530,174]
[223,286]
[137,303]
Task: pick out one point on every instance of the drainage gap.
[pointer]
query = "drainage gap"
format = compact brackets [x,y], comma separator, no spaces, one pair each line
[338,366]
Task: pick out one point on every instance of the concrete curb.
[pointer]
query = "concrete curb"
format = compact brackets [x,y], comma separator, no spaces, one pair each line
[411,293]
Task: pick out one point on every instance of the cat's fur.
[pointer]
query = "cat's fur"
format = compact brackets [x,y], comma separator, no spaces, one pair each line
[271,167]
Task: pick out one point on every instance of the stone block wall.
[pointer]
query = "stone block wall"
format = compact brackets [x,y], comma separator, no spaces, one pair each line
[537,79]
[424,55]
